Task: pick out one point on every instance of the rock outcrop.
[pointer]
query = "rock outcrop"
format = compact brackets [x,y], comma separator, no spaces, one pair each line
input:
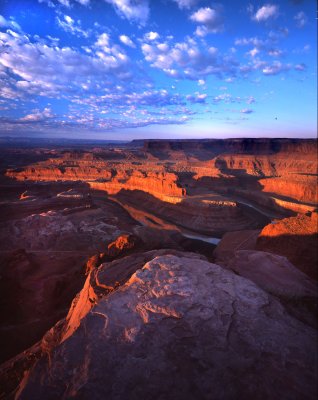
[169,169]
[294,238]
[278,276]
[273,273]
[161,185]
[104,175]
[180,328]
[232,242]
[302,188]
[240,146]
[210,217]
[43,252]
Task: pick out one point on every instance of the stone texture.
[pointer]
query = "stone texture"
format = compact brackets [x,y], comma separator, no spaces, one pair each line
[181,328]
[234,241]
[273,273]
[294,238]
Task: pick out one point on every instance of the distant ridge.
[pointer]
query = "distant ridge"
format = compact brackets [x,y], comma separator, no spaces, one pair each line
[237,145]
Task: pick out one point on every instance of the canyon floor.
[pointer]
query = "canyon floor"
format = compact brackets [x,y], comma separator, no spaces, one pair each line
[159,269]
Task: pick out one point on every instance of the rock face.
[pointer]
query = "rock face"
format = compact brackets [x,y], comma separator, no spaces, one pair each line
[273,273]
[169,169]
[46,239]
[210,217]
[180,328]
[240,146]
[36,291]
[299,187]
[294,238]
[232,242]
[161,185]
[103,175]
[276,275]
[121,245]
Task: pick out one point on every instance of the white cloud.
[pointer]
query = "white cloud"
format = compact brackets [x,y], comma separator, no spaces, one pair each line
[197,98]
[227,98]
[144,98]
[151,36]
[127,41]
[201,82]
[65,3]
[4,23]
[38,116]
[275,68]
[68,19]
[275,52]
[300,67]
[204,15]
[95,83]
[210,20]
[246,111]
[261,45]
[103,40]
[40,69]
[88,123]
[70,26]
[266,12]
[186,3]
[258,43]
[191,59]
[253,52]
[301,19]
[250,100]
[131,9]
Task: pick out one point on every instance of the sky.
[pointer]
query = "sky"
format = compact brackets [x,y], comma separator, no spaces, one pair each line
[132,69]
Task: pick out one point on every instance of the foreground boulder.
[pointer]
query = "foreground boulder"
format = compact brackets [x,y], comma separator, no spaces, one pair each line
[181,328]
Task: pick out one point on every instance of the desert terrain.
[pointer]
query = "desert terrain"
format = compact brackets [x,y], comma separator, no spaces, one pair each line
[189,262]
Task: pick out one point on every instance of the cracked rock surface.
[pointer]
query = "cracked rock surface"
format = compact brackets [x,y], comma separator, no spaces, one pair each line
[181,328]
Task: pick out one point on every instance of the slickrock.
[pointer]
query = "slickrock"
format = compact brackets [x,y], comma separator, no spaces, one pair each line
[278,276]
[233,241]
[103,280]
[180,328]
[295,238]
[273,273]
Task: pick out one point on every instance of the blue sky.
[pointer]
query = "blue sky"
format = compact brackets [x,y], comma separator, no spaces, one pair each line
[125,69]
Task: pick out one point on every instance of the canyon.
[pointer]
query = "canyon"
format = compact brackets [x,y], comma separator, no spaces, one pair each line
[188,262]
